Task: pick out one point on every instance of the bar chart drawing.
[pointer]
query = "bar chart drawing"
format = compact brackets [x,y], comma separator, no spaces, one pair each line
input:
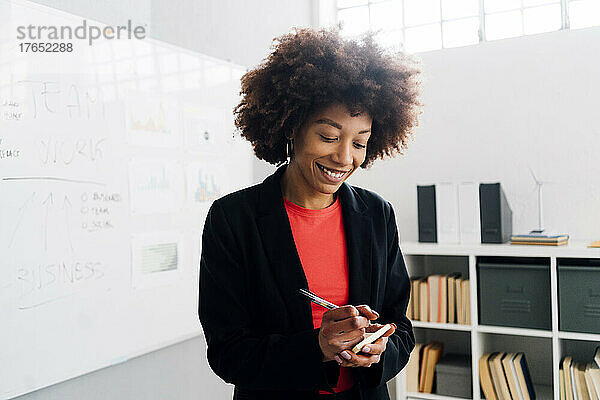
[152,122]
[205,183]
[156,186]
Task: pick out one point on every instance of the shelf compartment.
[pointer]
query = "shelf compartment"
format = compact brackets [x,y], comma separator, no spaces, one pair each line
[538,353]
[514,292]
[454,341]
[458,342]
[426,266]
[579,295]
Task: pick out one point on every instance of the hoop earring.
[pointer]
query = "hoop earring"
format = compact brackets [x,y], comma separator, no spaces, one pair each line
[289,150]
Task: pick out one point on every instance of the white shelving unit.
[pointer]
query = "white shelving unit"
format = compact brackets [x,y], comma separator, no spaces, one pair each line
[542,347]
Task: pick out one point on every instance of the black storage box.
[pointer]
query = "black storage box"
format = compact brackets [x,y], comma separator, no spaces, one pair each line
[494,213]
[579,295]
[514,294]
[453,376]
[426,214]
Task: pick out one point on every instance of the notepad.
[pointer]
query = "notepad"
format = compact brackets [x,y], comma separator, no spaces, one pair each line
[371,337]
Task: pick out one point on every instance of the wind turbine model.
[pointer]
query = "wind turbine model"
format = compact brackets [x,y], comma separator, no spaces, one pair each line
[540,229]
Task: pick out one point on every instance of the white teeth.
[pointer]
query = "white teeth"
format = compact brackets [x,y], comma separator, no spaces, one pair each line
[332,174]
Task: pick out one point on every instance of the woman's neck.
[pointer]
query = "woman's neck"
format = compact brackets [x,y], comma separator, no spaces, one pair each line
[295,188]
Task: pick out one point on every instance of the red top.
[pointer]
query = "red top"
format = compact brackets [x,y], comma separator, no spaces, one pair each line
[321,244]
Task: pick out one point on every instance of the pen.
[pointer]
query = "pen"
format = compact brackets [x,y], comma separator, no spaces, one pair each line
[318,300]
[324,303]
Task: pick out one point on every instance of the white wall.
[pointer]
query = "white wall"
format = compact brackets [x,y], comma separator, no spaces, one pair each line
[496,109]
[235,30]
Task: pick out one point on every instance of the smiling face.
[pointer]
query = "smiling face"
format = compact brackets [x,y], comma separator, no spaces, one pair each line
[329,148]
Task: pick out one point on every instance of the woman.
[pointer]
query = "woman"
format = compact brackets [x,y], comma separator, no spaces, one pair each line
[328,106]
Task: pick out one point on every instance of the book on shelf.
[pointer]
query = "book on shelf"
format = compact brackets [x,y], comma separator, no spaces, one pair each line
[541,244]
[433,282]
[440,298]
[505,376]
[594,374]
[485,378]
[585,390]
[422,364]
[409,307]
[561,243]
[566,366]
[466,301]
[589,383]
[575,379]
[523,377]
[437,298]
[580,386]
[553,239]
[451,280]
[499,377]
[459,301]
[511,376]
[580,381]
[412,369]
[431,358]
[561,384]
[576,383]
[423,300]
[415,291]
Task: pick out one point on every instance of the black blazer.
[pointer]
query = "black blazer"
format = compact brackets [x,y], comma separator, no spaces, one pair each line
[259,330]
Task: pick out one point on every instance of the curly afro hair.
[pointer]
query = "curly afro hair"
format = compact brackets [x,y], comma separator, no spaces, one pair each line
[311,69]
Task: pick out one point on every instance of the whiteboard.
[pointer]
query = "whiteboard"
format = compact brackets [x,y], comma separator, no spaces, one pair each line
[110,156]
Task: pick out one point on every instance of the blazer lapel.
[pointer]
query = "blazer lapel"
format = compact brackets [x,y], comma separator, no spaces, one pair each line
[279,245]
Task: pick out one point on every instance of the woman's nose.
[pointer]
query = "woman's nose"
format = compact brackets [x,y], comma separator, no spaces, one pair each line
[343,154]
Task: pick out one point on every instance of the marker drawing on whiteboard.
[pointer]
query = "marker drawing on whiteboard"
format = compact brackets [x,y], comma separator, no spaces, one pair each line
[45,204]
[21,214]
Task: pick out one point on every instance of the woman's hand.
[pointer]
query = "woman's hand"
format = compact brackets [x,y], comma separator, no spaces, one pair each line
[342,328]
[370,353]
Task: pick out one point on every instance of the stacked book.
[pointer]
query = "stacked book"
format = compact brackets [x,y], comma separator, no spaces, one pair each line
[580,381]
[539,239]
[440,298]
[505,376]
[420,369]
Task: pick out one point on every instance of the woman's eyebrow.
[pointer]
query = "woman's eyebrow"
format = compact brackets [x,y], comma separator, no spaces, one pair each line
[335,124]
